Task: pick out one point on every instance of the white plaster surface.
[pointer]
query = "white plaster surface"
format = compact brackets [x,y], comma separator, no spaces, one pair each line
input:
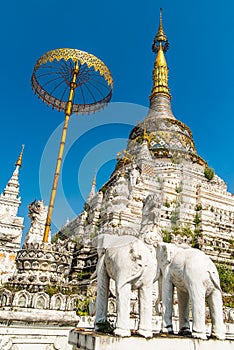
[92,341]
[26,337]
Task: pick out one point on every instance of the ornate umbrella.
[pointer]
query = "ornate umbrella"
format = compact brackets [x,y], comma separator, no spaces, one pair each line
[72,81]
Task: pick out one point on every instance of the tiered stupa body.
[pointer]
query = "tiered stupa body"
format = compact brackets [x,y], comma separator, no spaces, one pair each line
[161,181]
[11,225]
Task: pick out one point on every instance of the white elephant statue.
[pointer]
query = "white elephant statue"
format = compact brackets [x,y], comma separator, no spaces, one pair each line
[196,278]
[132,264]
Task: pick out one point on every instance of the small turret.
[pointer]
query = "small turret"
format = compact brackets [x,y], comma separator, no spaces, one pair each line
[93,189]
[11,225]
[12,188]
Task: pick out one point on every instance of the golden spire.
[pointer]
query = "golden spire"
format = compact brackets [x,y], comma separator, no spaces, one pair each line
[19,160]
[160,72]
[160,36]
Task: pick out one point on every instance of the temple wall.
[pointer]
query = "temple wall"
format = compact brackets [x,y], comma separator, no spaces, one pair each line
[25,337]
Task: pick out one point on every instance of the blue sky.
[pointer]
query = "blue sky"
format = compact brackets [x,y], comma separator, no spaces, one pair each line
[201,76]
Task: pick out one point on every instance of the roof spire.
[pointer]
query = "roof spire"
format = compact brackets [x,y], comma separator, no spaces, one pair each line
[160,72]
[93,188]
[160,36]
[18,163]
[12,188]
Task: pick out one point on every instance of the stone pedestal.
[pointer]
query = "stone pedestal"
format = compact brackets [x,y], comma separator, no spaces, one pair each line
[94,341]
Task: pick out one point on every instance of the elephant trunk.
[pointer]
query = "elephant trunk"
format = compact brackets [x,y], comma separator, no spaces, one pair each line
[136,278]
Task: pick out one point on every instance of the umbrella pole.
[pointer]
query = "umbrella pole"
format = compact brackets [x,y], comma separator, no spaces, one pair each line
[68,112]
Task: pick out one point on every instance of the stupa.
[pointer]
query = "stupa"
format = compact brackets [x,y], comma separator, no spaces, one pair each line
[11,225]
[161,181]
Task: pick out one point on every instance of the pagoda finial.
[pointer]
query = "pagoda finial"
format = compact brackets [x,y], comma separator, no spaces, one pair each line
[160,72]
[93,189]
[160,36]
[18,163]
[94,182]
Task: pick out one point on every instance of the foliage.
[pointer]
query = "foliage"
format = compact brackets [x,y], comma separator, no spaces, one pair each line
[83,304]
[66,232]
[195,241]
[176,230]
[63,235]
[98,222]
[197,231]
[178,189]
[198,207]
[218,249]
[166,236]
[176,160]
[166,204]
[86,222]
[103,189]
[105,326]
[226,275]
[183,231]
[186,231]
[94,233]
[212,209]
[51,290]
[55,289]
[174,217]
[76,239]
[209,173]
[197,220]
[82,274]
[83,307]
[228,300]
[58,236]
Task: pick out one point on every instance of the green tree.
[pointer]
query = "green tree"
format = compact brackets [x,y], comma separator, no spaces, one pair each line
[226,276]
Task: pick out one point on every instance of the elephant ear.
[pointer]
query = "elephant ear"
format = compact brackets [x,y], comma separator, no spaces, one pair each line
[167,252]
